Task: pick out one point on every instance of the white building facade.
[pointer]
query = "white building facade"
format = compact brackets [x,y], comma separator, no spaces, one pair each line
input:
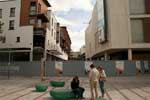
[53,48]
[18,42]
[118,30]
[14,39]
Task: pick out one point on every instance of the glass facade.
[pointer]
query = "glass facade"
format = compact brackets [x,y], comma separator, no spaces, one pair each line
[137,31]
[101,22]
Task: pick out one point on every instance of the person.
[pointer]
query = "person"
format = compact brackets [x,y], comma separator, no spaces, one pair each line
[93,77]
[77,90]
[102,79]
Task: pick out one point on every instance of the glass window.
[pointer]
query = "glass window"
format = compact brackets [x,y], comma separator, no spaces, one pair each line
[1,27]
[32,21]
[137,31]
[33,8]
[18,39]
[137,6]
[39,8]
[12,12]
[0,13]
[52,33]
[11,24]
[4,40]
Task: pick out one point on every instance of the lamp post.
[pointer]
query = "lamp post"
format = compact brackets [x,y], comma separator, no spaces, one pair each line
[9,60]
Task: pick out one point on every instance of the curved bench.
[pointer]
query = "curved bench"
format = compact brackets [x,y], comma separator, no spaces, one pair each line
[101,99]
[57,83]
[62,94]
[41,88]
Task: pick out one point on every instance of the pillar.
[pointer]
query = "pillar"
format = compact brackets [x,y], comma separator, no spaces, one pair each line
[129,54]
[31,56]
[105,56]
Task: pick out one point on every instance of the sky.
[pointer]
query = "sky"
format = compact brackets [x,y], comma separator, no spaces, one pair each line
[75,14]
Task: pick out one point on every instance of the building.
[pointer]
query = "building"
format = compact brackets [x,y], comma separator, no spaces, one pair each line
[53,48]
[65,41]
[74,55]
[119,30]
[82,52]
[29,31]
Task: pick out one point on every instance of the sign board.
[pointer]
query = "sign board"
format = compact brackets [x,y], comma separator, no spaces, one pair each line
[120,67]
[87,66]
[59,67]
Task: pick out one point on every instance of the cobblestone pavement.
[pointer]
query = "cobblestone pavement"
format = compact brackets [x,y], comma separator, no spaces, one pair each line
[117,88]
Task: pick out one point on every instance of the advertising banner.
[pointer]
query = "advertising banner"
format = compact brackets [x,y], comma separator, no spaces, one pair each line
[120,67]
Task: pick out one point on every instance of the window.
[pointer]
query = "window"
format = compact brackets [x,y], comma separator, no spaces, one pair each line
[39,8]
[33,8]
[32,21]
[18,39]
[1,27]
[52,22]
[12,12]
[52,33]
[11,24]
[4,40]
[0,13]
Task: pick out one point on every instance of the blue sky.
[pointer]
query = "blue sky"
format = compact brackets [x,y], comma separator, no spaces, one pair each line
[75,14]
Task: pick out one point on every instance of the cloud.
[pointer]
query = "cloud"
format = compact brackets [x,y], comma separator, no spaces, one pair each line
[64,22]
[67,5]
[78,39]
[74,14]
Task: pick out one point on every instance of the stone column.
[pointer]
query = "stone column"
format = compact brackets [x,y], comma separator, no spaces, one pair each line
[129,54]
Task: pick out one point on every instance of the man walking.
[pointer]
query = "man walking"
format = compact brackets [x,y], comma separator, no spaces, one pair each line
[93,77]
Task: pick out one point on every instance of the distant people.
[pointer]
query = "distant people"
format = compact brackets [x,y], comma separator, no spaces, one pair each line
[77,90]
[102,79]
[93,77]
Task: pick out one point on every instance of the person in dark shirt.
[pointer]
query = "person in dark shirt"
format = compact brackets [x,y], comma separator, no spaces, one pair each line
[77,90]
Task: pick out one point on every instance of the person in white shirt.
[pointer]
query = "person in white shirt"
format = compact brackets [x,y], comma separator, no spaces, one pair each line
[102,79]
[93,77]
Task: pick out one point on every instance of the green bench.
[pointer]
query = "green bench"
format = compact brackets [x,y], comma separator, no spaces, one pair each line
[57,83]
[41,88]
[62,94]
[101,99]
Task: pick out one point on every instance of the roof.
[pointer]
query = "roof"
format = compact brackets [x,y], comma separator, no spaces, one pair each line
[47,3]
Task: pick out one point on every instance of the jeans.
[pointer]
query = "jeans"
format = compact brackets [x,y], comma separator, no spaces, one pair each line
[78,92]
[101,84]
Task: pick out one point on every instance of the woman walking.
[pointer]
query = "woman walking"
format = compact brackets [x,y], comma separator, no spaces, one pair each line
[102,79]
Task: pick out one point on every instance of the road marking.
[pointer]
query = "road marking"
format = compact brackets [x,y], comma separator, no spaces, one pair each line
[137,94]
[38,97]
[109,97]
[22,96]
[13,92]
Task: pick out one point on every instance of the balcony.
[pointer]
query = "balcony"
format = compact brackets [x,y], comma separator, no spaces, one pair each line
[43,17]
[39,15]
[39,42]
[39,31]
[55,50]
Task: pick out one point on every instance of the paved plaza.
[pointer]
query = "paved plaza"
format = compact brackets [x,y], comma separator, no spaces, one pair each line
[117,88]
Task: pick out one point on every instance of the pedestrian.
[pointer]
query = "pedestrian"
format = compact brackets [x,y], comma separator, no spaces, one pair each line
[93,77]
[102,79]
[77,90]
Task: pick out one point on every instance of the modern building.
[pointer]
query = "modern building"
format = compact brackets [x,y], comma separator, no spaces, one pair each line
[65,41]
[119,30]
[28,31]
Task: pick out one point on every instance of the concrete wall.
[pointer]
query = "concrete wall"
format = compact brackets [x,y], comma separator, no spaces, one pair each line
[72,68]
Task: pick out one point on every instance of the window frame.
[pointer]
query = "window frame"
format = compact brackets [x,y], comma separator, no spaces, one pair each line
[10,25]
[12,11]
